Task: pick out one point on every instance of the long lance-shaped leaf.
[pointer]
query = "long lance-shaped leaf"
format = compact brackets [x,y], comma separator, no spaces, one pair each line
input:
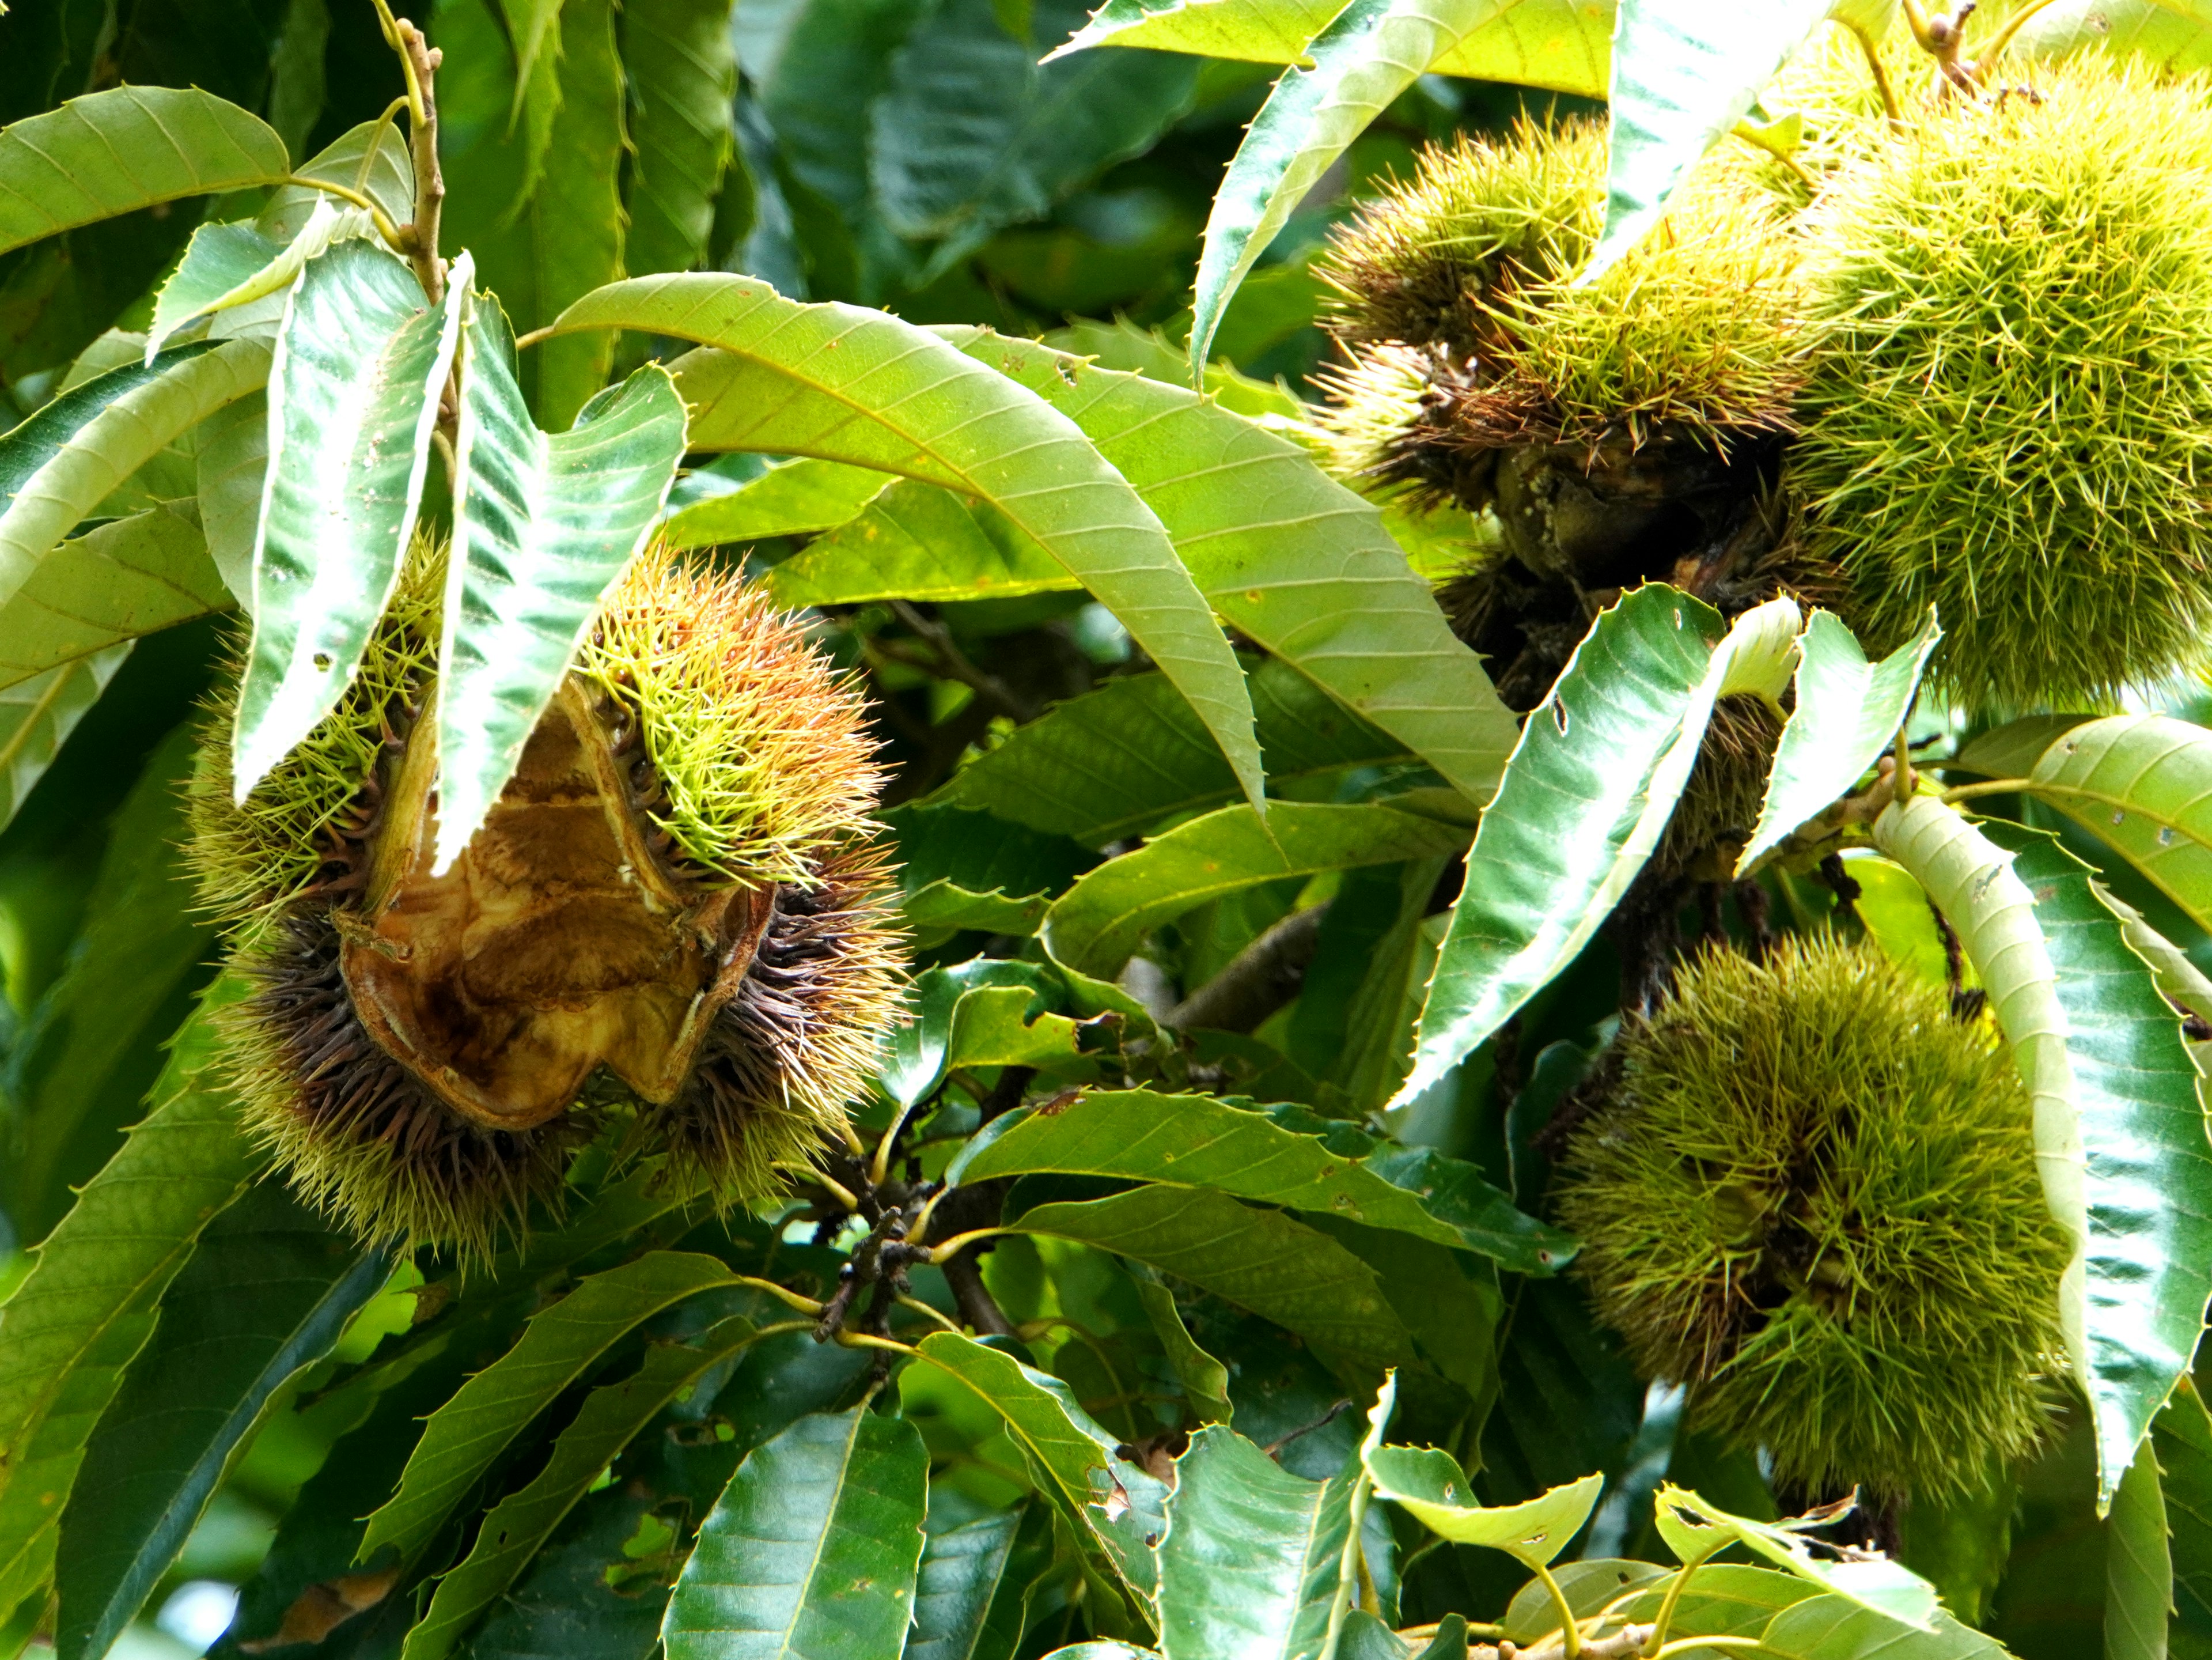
[231,468]
[971,1598]
[790,498]
[1563,45]
[846,384]
[1586,797]
[1260,1260]
[1290,556]
[683,75]
[1073,1460]
[2119,1137]
[38,714]
[1364,59]
[108,586]
[1429,1485]
[2177,33]
[1197,1140]
[353,393]
[2143,783]
[1250,1563]
[1685,72]
[2138,1566]
[2183,1437]
[88,1304]
[1847,710]
[811,1551]
[1096,924]
[228,265]
[470,1430]
[543,527]
[610,1419]
[269,1292]
[62,462]
[1695,1530]
[132,147]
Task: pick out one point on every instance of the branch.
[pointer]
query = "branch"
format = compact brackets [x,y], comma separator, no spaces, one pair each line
[422,60]
[1262,977]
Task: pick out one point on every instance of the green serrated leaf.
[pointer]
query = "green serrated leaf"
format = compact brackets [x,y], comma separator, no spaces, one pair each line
[1122,344]
[1587,795]
[682,74]
[130,147]
[1131,755]
[2183,1438]
[268,1291]
[389,183]
[228,265]
[2143,783]
[1366,56]
[574,215]
[1201,1141]
[1259,1260]
[915,541]
[87,1304]
[2176,33]
[1847,711]
[543,526]
[1292,559]
[2119,1135]
[361,363]
[470,1430]
[802,498]
[1253,1554]
[1695,1530]
[1204,1380]
[611,1416]
[1685,74]
[38,714]
[1072,1459]
[107,587]
[1096,924]
[2138,1567]
[968,1599]
[1429,1485]
[1832,1628]
[921,1050]
[1562,45]
[812,1550]
[58,466]
[859,387]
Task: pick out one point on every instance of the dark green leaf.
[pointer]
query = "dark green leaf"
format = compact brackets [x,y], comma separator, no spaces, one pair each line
[110,585]
[968,1600]
[2138,1567]
[1132,754]
[269,1292]
[610,1418]
[682,74]
[470,1430]
[1072,1459]
[1254,1554]
[1259,1260]
[543,527]
[2183,1438]
[1096,924]
[87,1304]
[1294,1159]
[132,147]
[812,1550]
[791,379]
[38,714]
[1204,1380]
[353,393]
[789,498]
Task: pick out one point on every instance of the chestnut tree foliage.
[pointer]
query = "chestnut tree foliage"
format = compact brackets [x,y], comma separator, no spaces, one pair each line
[1191,1283]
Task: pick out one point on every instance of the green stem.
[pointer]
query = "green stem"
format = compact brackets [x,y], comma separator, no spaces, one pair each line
[385,227]
[2003,38]
[1571,1634]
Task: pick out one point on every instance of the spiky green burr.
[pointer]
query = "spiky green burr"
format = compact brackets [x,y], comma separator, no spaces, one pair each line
[2008,407]
[1812,1195]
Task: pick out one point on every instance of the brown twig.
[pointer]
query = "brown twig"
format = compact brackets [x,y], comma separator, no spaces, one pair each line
[422,60]
[1259,980]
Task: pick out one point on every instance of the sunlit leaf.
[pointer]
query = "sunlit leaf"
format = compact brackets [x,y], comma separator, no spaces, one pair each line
[130,146]
[1695,1529]
[1096,924]
[1430,1487]
[2177,33]
[361,363]
[1587,795]
[1846,712]
[846,384]
[791,498]
[234,265]
[543,527]
[2119,1135]
[915,541]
